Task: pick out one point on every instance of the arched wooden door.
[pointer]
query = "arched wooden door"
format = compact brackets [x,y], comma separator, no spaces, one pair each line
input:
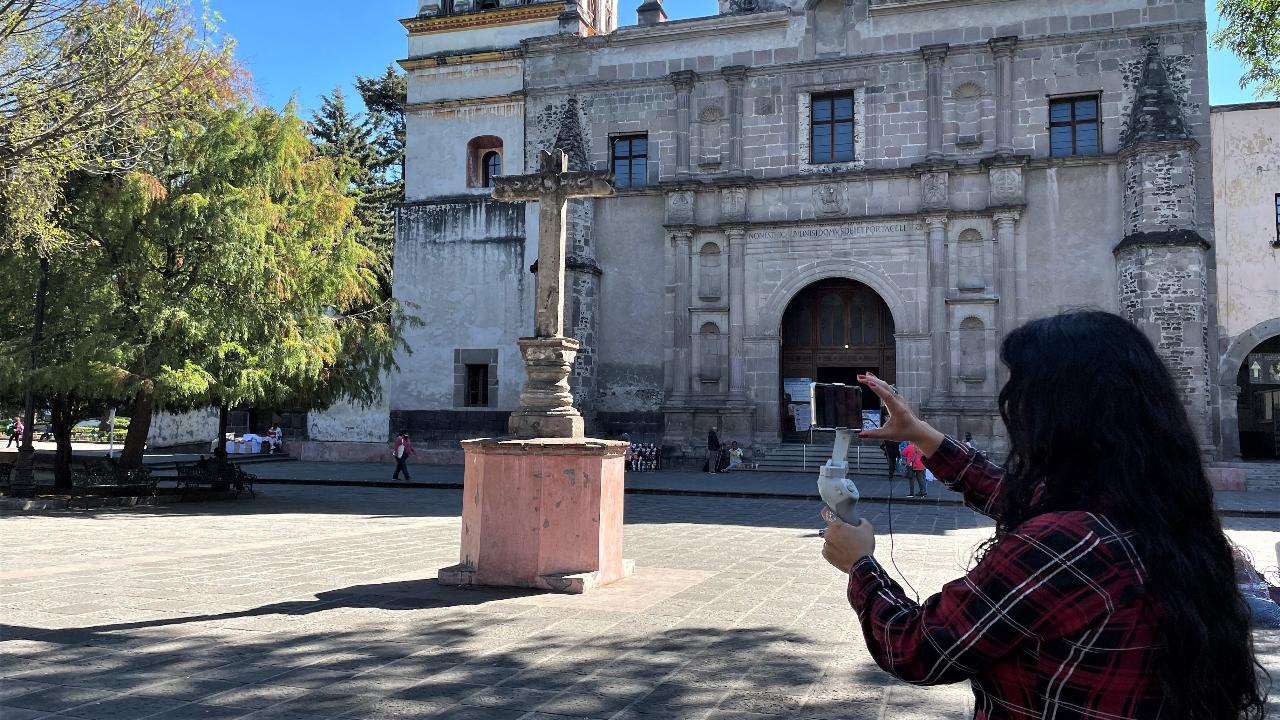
[832,331]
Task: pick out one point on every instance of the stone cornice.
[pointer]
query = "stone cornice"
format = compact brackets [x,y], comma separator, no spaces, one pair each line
[513,98]
[675,31]
[1162,238]
[556,45]
[1157,146]
[483,19]
[460,58]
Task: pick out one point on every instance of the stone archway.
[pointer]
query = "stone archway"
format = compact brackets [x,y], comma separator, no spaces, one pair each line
[832,331]
[1230,371]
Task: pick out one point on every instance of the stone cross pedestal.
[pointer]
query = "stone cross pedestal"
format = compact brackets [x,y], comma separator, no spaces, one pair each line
[544,509]
[546,403]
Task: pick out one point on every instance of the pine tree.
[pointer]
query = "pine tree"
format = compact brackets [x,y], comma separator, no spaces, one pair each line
[355,144]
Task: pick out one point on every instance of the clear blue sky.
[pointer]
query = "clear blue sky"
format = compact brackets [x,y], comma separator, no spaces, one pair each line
[303,49]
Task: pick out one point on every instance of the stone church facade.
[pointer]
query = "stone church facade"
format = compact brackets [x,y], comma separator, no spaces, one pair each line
[807,189]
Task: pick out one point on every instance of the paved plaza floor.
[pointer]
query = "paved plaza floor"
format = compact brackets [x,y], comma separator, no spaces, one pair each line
[320,602]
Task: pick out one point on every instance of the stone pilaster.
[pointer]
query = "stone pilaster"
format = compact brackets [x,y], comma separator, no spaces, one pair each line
[682,239]
[1002,49]
[934,57]
[1006,222]
[735,77]
[683,80]
[737,237]
[938,345]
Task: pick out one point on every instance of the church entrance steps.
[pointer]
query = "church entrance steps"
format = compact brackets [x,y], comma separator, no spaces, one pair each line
[865,458]
[1259,474]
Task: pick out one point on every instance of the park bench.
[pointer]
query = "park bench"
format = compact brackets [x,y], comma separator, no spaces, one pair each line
[215,475]
[106,478]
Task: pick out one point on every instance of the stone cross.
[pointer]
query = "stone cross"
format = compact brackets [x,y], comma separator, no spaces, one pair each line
[551,188]
[546,403]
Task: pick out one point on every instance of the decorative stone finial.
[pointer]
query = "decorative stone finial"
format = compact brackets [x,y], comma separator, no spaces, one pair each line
[651,12]
[1156,115]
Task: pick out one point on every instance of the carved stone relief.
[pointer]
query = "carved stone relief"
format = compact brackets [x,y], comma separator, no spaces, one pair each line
[680,208]
[934,191]
[733,204]
[830,199]
[1006,186]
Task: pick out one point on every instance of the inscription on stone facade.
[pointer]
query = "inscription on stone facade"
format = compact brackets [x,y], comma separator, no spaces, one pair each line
[842,230]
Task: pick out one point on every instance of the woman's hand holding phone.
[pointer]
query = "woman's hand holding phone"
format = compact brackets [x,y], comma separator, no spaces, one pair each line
[902,423]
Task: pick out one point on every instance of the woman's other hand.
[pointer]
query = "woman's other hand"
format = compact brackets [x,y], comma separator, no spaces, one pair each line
[902,424]
[847,544]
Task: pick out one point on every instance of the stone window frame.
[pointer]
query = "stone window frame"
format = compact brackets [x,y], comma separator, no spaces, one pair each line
[649,158]
[1073,98]
[804,128]
[463,357]
[1276,242]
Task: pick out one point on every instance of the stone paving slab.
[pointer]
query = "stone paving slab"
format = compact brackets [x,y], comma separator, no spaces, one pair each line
[306,605]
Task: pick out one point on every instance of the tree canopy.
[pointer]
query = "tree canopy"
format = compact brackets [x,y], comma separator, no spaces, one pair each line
[1251,30]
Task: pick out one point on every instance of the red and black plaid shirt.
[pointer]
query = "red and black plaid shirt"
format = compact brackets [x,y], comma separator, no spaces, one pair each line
[1053,622]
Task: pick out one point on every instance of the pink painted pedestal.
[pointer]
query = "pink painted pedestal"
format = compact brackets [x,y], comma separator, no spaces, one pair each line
[543,513]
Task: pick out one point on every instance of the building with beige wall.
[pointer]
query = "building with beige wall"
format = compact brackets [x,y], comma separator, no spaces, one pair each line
[1246,195]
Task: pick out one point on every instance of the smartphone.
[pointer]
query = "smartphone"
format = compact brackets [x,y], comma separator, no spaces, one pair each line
[835,406]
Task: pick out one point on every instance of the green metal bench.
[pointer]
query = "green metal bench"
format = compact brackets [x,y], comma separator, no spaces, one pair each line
[106,478]
[215,475]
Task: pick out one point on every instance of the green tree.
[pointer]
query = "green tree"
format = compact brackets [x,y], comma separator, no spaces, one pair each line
[365,148]
[235,273]
[1252,32]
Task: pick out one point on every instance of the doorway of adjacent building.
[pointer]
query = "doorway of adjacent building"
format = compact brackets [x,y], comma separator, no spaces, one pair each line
[1258,405]
[832,331]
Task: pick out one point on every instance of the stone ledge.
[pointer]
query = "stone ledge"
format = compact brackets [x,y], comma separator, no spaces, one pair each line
[546,446]
[1163,238]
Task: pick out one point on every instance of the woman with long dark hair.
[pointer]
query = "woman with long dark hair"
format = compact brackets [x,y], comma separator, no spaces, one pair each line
[1108,590]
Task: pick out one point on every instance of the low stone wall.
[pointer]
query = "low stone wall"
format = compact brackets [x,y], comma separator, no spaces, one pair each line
[314,451]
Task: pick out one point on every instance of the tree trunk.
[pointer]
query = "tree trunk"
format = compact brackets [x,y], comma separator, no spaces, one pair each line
[135,442]
[63,419]
[37,336]
[220,447]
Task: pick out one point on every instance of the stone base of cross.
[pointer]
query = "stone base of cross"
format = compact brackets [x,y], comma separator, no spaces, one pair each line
[546,404]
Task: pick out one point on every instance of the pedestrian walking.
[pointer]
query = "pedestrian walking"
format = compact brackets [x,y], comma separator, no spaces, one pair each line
[14,431]
[401,450]
[890,450]
[915,471]
[1108,589]
[713,452]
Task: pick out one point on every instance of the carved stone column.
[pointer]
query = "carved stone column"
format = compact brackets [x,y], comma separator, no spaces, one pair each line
[682,239]
[1002,49]
[683,81]
[941,355]
[737,307]
[1007,277]
[934,56]
[736,77]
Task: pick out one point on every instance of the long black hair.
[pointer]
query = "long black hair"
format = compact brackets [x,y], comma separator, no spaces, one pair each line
[1094,417]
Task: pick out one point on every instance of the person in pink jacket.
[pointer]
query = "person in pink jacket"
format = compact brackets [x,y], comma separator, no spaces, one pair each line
[915,471]
[401,449]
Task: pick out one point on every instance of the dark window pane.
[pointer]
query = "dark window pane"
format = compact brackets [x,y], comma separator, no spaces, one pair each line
[1087,109]
[640,147]
[844,107]
[1087,138]
[622,173]
[639,172]
[1060,112]
[1060,141]
[821,143]
[821,109]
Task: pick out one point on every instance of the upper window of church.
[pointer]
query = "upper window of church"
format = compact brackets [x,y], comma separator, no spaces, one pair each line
[630,161]
[1073,126]
[492,167]
[831,128]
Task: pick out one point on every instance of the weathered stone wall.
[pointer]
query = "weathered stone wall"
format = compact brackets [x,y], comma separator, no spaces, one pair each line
[350,422]
[173,429]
